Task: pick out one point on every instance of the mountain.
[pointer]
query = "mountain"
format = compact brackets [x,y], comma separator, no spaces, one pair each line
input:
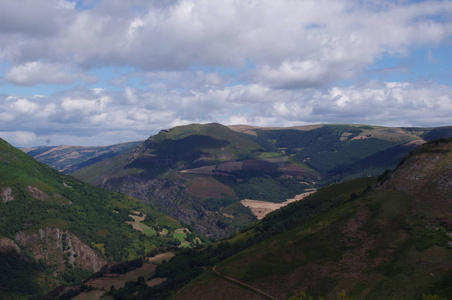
[57,230]
[389,238]
[201,173]
[69,159]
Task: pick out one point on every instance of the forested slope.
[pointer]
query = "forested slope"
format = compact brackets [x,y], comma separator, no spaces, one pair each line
[57,230]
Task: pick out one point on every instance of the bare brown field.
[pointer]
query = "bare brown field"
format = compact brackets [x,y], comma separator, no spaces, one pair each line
[207,170]
[119,280]
[160,257]
[62,147]
[104,283]
[261,208]
[136,220]
[216,169]
[92,295]
[230,166]
[415,142]
[155,281]
[208,187]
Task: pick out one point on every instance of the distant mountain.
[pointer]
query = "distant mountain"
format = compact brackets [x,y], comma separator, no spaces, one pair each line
[389,238]
[69,159]
[56,230]
[200,173]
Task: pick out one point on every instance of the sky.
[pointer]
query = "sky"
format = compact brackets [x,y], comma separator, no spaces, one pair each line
[101,72]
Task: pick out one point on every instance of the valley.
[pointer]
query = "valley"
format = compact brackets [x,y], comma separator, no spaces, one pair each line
[199,173]
[246,212]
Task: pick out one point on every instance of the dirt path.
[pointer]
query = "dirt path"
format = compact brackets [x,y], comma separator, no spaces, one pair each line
[243,284]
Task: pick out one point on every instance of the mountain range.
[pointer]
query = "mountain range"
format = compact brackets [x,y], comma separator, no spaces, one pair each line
[370,238]
[202,173]
[68,159]
[363,236]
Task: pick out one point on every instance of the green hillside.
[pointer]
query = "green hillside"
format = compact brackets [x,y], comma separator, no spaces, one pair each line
[341,151]
[58,230]
[200,173]
[213,142]
[389,238]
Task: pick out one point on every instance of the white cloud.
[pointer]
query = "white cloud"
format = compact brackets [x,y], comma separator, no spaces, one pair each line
[269,63]
[89,113]
[32,73]
[336,36]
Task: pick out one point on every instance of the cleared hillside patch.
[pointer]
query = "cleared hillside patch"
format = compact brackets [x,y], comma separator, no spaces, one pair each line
[262,208]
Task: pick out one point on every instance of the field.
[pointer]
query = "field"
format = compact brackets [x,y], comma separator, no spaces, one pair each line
[261,208]
[119,280]
[138,225]
[104,283]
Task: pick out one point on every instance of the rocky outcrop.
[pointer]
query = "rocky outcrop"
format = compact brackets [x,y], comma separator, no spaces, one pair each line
[7,194]
[37,193]
[8,246]
[60,248]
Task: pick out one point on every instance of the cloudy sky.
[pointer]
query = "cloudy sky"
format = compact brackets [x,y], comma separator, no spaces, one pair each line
[98,72]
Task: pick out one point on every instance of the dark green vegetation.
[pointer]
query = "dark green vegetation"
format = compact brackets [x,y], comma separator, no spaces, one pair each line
[55,229]
[384,239]
[69,159]
[189,263]
[199,173]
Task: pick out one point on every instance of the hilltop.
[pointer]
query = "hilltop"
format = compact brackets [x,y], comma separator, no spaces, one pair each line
[57,230]
[200,173]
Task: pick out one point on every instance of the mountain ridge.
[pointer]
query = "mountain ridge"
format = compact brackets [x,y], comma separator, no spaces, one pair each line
[199,173]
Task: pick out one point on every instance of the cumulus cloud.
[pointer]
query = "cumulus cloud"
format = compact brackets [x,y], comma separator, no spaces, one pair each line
[32,73]
[268,63]
[302,40]
[84,114]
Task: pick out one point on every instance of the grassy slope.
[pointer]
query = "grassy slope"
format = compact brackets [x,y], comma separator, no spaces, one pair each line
[96,216]
[334,150]
[377,246]
[218,140]
[182,144]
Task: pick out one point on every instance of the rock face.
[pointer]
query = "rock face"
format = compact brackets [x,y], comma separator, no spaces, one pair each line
[61,248]
[167,195]
[7,194]
[8,246]
[37,193]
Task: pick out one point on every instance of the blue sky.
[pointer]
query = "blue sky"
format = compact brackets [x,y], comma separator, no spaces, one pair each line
[99,72]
